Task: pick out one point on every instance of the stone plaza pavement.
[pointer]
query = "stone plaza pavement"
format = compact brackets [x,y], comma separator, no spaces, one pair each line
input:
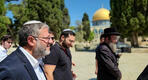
[130,64]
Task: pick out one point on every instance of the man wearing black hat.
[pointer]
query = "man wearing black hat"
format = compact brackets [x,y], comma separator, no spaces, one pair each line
[106,57]
[144,74]
[101,41]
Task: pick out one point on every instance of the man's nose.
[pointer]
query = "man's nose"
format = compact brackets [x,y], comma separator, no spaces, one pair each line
[10,44]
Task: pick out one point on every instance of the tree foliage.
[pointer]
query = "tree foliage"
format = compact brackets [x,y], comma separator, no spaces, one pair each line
[91,36]
[79,31]
[86,26]
[4,21]
[52,12]
[130,17]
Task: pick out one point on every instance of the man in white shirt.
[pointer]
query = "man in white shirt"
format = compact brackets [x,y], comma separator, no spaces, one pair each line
[6,42]
[23,64]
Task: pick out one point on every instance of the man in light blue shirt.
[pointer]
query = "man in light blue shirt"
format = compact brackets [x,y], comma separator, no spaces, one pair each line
[6,42]
[23,64]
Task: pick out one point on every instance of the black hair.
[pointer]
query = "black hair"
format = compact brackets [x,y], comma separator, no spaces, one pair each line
[51,32]
[67,33]
[6,37]
[102,36]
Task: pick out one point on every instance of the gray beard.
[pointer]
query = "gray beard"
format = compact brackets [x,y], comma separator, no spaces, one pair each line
[40,51]
[113,47]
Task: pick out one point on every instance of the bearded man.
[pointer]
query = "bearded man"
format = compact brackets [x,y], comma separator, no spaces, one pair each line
[106,57]
[23,64]
[59,62]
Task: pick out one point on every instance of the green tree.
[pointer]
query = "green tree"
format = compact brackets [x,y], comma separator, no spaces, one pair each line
[129,17]
[72,28]
[52,12]
[20,15]
[4,21]
[91,36]
[86,26]
[79,31]
[66,18]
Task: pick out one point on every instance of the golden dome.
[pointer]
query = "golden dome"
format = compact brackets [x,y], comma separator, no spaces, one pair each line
[101,14]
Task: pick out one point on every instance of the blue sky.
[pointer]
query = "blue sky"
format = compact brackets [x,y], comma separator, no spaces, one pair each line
[78,7]
[9,13]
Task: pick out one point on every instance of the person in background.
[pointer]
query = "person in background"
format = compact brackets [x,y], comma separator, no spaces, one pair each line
[106,57]
[23,64]
[6,42]
[101,41]
[52,38]
[58,64]
[101,38]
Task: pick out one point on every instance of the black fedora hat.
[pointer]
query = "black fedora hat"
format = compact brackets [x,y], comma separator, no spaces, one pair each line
[111,31]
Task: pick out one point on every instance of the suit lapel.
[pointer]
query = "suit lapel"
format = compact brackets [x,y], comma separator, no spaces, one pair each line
[27,64]
[31,71]
[43,71]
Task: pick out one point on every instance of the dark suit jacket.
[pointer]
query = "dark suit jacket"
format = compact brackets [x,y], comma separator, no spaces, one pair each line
[144,74]
[107,63]
[17,67]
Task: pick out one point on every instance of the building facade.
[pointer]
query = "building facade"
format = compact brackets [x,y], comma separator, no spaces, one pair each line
[101,20]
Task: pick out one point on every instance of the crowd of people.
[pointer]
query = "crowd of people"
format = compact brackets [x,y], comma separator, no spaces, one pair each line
[40,57]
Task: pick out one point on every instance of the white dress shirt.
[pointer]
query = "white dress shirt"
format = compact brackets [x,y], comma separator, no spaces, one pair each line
[35,64]
[3,53]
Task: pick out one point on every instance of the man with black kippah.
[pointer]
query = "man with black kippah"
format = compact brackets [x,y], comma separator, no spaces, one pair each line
[106,57]
[58,63]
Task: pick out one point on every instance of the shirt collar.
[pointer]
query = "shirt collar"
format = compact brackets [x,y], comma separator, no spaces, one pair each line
[3,49]
[34,62]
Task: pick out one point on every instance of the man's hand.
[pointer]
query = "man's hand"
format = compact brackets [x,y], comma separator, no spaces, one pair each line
[96,71]
[73,64]
[74,75]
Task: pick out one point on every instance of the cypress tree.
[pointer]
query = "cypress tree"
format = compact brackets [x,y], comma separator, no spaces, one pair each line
[86,26]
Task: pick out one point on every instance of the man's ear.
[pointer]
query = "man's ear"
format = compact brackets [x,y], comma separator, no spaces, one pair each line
[3,42]
[62,37]
[30,41]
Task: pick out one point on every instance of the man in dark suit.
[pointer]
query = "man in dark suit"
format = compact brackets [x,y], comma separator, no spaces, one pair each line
[106,57]
[23,63]
[144,74]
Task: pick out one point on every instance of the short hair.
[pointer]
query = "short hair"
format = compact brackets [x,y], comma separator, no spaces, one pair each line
[6,37]
[30,28]
[102,36]
[66,33]
[51,32]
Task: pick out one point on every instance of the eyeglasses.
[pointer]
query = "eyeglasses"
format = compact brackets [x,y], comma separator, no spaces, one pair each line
[45,39]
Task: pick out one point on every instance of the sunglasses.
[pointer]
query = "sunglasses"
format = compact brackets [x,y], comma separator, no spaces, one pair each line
[52,38]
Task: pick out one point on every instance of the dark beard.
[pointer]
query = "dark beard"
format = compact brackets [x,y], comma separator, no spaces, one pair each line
[64,44]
